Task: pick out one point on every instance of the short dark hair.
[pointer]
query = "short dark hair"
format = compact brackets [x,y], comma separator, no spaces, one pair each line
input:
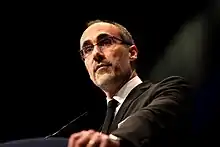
[124,33]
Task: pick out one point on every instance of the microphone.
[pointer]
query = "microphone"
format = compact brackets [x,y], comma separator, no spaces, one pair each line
[74,120]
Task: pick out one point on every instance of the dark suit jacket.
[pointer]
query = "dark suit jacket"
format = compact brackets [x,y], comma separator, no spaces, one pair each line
[155,114]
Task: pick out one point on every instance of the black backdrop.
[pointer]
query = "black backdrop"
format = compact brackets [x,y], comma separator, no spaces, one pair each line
[46,84]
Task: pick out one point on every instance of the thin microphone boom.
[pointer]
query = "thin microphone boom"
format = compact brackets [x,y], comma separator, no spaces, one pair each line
[85,113]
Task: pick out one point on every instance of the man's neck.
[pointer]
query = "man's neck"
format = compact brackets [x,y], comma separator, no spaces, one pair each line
[116,87]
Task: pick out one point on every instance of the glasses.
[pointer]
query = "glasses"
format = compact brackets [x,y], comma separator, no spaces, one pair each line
[102,44]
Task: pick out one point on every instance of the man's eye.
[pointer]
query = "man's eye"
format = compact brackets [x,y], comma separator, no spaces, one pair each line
[88,49]
[105,42]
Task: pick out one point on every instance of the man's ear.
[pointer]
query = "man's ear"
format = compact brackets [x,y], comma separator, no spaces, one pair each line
[133,52]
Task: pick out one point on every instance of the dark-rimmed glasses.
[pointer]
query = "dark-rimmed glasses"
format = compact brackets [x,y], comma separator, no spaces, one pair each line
[102,44]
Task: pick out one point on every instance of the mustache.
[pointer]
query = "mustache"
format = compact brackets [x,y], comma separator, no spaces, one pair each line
[105,63]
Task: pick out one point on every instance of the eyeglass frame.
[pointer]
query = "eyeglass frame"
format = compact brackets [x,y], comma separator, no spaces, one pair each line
[103,39]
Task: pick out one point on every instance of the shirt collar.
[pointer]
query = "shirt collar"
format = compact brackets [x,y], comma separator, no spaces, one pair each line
[126,89]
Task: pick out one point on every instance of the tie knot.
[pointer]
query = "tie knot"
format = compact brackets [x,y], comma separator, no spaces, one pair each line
[112,103]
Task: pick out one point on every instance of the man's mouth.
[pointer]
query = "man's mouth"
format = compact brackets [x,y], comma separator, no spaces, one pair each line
[101,66]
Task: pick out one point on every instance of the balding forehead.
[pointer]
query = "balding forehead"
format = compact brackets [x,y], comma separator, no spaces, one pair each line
[94,30]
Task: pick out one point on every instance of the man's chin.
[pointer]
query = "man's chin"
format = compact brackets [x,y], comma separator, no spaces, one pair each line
[103,79]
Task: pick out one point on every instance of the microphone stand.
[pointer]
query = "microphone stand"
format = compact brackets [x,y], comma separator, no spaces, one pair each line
[55,133]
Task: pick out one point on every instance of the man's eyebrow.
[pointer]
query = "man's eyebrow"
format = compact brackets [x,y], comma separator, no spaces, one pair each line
[87,42]
[98,38]
[101,36]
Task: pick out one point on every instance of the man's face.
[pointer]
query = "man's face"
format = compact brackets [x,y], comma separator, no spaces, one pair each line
[108,61]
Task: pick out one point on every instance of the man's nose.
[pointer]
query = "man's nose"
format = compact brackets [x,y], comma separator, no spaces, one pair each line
[97,54]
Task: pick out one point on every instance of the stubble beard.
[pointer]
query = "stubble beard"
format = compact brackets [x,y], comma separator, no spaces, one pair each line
[110,82]
[105,80]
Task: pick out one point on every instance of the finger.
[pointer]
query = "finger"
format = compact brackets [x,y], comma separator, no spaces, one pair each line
[73,138]
[84,138]
[94,140]
[104,140]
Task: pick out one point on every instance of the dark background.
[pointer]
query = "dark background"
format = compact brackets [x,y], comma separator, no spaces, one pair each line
[45,82]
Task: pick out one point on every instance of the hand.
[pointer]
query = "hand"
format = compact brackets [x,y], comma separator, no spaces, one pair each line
[91,138]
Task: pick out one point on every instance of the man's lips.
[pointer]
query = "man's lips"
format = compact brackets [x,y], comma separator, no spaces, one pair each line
[101,65]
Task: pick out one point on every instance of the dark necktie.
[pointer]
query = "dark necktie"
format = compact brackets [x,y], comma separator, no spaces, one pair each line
[112,104]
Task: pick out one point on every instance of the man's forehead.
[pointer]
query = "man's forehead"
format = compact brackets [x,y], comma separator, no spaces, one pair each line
[94,30]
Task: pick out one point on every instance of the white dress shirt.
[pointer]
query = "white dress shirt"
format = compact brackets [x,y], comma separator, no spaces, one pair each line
[121,95]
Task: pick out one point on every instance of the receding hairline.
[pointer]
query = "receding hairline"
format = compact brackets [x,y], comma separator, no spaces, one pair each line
[98,23]
[123,32]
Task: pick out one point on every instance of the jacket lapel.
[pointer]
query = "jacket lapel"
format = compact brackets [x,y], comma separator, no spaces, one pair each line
[135,93]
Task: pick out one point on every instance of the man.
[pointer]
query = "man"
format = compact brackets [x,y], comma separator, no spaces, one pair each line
[146,114]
